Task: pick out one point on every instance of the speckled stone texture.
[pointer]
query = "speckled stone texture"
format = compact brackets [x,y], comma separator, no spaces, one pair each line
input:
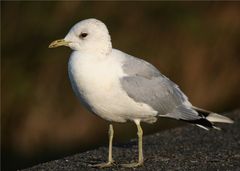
[186,148]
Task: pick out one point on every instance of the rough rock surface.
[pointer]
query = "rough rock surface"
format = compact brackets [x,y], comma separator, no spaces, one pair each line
[186,148]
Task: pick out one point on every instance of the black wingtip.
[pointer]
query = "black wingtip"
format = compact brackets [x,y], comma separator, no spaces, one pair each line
[202,121]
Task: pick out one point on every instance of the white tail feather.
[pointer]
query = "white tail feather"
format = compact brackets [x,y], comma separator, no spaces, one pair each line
[203,127]
[213,117]
[217,128]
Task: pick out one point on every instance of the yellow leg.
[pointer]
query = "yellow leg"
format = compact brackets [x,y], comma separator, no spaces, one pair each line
[110,159]
[140,149]
[140,146]
[110,134]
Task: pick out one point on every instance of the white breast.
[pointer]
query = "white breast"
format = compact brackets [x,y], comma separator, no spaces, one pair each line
[96,82]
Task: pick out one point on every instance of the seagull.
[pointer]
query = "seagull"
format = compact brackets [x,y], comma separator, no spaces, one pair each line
[119,87]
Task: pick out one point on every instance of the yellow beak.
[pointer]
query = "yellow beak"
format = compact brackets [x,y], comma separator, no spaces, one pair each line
[57,43]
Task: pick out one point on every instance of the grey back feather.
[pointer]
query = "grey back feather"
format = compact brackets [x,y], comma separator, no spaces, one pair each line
[146,84]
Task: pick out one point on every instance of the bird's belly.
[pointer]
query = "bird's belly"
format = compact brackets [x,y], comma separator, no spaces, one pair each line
[101,91]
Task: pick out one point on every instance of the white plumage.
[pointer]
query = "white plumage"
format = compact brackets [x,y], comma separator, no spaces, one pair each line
[119,87]
[96,81]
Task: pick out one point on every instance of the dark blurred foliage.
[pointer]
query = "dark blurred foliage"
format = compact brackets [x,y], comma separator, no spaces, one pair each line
[196,44]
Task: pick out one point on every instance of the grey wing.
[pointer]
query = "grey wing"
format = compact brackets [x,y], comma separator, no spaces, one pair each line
[146,84]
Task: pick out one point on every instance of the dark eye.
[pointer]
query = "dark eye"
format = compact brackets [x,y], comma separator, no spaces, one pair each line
[83,35]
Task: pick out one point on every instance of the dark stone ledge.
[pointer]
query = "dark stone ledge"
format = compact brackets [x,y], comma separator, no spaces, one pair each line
[185,148]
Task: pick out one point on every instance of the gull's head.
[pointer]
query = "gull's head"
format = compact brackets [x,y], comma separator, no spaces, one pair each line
[90,35]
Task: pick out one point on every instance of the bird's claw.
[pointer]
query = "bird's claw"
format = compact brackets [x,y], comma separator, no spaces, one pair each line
[131,165]
[103,165]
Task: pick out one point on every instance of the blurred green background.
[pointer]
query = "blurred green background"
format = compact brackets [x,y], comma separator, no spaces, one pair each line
[196,44]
